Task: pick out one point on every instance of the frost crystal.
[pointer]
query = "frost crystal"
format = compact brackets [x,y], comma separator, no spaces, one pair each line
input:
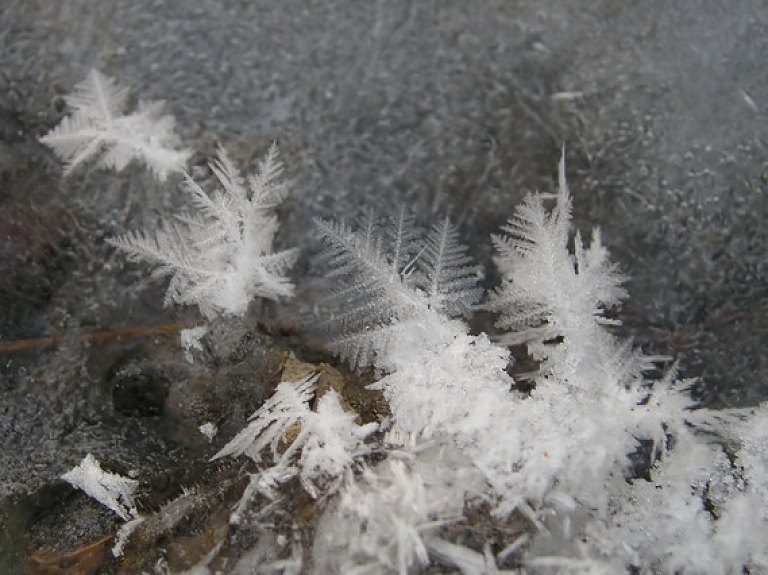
[556,457]
[99,128]
[191,339]
[111,490]
[393,293]
[318,445]
[221,257]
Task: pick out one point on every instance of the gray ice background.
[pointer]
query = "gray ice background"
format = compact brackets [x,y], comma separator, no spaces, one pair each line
[453,107]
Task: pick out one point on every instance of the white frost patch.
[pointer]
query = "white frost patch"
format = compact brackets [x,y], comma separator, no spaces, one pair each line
[123,534]
[191,339]
[209,430]
[109,489]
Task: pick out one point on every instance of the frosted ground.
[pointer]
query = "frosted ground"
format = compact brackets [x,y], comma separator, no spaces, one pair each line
[454,108]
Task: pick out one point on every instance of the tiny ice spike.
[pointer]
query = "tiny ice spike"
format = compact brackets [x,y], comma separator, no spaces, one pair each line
[100,128]
[221,256]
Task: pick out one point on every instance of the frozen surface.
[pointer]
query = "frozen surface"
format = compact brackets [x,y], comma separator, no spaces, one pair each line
[454,107]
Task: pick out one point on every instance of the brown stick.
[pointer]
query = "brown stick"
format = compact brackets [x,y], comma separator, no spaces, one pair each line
[55,341]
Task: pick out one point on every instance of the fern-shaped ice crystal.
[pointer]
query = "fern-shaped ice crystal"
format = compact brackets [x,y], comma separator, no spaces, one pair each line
[544,283]
[100,129]
[221,256]
[550,294]
[394,294]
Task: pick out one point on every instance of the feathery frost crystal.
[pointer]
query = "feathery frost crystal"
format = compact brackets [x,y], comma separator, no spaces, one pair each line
[394,290]
[471,473]
[220,257]
[100,129]
[551,466]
